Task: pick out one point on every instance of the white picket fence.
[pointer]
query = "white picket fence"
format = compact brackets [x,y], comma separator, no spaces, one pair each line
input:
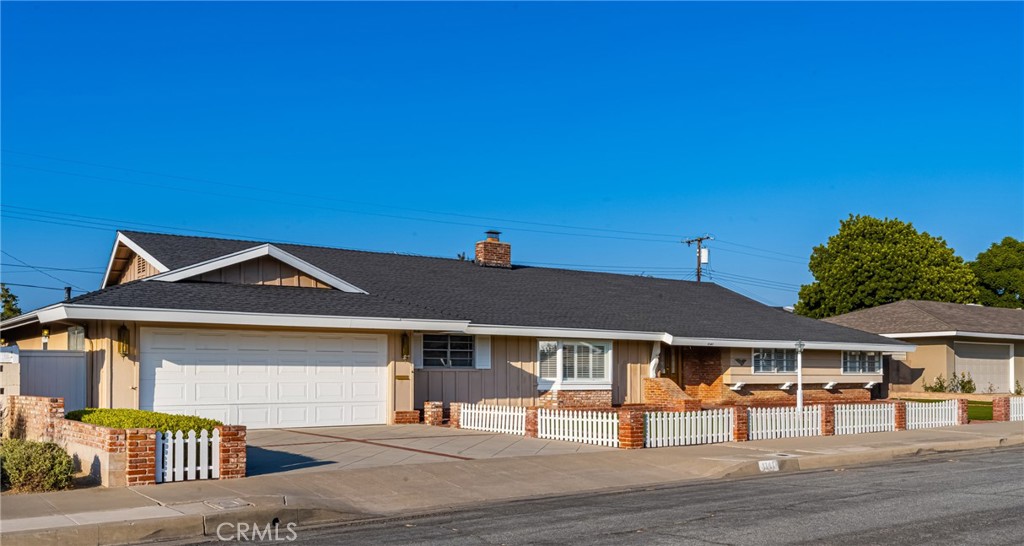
[587,427]
[507,420]
[861,418]
[770,423]
[1017,408]
[676,428]
[191,456]
[932,414]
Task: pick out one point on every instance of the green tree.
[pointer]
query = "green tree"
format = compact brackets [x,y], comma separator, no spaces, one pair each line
[1000,272]
[10,301]
[872,262]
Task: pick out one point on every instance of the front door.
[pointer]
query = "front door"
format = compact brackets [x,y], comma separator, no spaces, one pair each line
[672,363]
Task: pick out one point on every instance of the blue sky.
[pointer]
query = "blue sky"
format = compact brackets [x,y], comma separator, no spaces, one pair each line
[415,127]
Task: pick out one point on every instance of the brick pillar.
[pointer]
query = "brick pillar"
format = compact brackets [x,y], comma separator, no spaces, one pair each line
[901,414]
[232,451]
[54,416]
[740,424]
[140,455]
[455,415]
[433,413]
[962,411]
[531,422]
[828,420]
[631,428]
[1001,408]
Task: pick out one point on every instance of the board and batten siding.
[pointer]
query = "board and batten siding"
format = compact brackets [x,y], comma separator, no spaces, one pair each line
[263,270]
[136,268]
[512,379]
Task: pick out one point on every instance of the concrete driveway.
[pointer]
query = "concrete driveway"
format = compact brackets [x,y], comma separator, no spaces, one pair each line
[275,451]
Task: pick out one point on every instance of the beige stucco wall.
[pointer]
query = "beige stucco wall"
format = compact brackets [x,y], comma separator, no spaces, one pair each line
[818,367]
[936,356]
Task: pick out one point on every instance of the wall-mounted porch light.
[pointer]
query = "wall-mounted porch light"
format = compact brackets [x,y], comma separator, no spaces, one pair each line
[406,352]
[123,340]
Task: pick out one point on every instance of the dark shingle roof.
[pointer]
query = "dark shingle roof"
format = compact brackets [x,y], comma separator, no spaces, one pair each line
[910,316]
[424,287]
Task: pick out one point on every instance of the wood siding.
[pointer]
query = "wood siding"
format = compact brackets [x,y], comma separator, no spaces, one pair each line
[512,379]
[264,270]
[136,268]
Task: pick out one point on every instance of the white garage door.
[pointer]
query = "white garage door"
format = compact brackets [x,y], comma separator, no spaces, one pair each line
[265,379]
[988,364]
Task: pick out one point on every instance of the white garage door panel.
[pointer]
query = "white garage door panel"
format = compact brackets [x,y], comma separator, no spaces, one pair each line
[988,364]
[265,379]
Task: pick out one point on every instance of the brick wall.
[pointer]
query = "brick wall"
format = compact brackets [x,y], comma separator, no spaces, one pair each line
[433,413]
[564,399]
[1001,408]
[771,395]
[113,457]
[455,415]
[232,451]
[702,373]
[664,394]
[631,428]
[411,417]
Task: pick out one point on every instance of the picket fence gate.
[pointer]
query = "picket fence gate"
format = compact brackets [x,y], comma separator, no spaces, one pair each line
[677,428]
[861,418]
[507,420]
[932,414]
[771,423]
[181,456]
[587,427]
[1017,408]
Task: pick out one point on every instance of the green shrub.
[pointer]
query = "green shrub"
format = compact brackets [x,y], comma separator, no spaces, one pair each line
[956,383]
[131,418]
[34,466]
[1017,388]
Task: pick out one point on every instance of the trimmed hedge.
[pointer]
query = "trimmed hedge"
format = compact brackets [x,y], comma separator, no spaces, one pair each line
[132,418]
[34,466]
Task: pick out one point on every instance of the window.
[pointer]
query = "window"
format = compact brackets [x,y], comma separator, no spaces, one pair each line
[447,351]
[774,360]
[563,361]
[76,338]
[862,362]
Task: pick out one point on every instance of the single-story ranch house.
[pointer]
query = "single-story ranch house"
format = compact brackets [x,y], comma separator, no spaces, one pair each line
[270,335]
[985,342]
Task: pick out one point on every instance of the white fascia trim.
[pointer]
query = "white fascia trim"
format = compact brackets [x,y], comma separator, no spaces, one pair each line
[93,312]
[21,320]
[123,239]
[777,344]
[251,254]
[954,333]
[565,333]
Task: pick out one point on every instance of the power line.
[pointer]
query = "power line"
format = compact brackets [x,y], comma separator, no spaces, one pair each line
[15,258]
[700,255]
[73,270]
[761,249]
[36,286]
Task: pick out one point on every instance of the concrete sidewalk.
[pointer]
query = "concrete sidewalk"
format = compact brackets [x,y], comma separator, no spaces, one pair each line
[191,510]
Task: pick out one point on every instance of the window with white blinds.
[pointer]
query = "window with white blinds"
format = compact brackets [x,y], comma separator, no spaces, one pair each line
[568,361]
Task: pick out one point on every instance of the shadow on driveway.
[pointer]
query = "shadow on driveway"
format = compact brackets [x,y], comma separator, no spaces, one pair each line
[261,461]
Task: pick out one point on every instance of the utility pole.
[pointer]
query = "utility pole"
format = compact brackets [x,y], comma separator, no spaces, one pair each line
[700,242]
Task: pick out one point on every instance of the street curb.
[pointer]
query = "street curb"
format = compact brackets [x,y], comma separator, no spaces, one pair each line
[311,513]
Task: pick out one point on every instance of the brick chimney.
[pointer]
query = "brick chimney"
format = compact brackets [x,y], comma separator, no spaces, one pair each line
[491,252]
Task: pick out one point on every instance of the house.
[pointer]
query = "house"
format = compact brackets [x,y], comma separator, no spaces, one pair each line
[986,342]
[270,335]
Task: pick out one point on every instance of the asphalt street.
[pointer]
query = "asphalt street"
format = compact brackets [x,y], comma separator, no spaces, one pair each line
[966,498]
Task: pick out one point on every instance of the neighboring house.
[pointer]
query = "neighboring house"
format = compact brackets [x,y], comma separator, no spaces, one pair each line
[287,335]
[986,342]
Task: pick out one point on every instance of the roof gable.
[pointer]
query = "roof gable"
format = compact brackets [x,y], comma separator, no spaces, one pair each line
[253,253]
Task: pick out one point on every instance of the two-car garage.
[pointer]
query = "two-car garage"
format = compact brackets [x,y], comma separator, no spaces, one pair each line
[265,379]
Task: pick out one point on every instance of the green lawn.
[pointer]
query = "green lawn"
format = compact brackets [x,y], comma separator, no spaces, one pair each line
[976,410]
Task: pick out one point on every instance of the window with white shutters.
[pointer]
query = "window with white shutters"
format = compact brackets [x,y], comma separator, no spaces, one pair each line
[569,361]
[447,351]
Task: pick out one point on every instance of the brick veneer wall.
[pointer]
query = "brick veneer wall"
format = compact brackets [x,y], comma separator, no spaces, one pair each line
[771,395]
[565,399]
[115,457]
[703,373]
[663,393]
[411,417]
